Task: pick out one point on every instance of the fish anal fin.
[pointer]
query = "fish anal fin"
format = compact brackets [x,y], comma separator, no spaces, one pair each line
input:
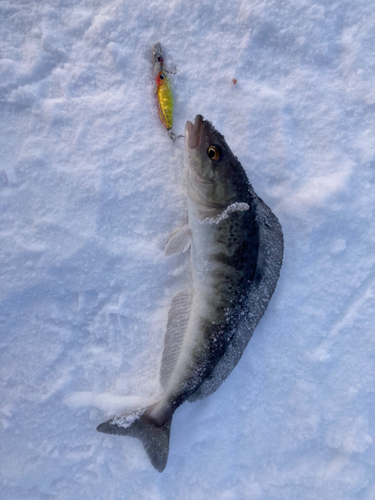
[178,318]
[179,241]
[155,438]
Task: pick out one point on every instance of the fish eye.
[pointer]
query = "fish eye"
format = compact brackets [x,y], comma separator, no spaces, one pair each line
[214,152]
[161,76]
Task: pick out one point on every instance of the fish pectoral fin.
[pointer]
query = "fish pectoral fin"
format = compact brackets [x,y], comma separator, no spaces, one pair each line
[179,241]
[155,438]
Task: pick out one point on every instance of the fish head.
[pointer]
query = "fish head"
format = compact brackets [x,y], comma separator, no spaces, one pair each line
[216,178]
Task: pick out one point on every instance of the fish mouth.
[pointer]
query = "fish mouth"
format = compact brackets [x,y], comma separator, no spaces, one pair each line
[193,132]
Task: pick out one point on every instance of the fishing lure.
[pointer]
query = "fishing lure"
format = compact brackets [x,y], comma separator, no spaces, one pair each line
[163,91]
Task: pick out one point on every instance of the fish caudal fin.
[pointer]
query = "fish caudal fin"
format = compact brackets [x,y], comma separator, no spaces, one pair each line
[155,439]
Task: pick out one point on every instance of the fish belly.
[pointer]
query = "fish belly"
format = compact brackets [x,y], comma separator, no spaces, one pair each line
[220,280]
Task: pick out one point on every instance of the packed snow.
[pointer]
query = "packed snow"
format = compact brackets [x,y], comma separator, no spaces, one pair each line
[91,186]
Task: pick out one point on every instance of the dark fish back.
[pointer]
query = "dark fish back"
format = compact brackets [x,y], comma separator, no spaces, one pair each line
[263,257]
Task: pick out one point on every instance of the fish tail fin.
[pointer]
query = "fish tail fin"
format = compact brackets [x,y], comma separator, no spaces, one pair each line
[155,438]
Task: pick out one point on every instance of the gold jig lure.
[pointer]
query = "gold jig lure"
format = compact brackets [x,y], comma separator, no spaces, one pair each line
[163,91]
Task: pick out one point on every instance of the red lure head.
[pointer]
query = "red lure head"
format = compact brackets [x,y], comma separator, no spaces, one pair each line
[160,78]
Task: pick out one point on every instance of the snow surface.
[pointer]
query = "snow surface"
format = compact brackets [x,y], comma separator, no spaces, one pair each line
[91,186]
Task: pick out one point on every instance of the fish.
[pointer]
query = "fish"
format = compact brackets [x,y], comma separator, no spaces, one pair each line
[236,251]
[163,90]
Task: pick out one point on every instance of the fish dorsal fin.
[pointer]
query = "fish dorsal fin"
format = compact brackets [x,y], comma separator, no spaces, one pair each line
[178,318]
[179,241]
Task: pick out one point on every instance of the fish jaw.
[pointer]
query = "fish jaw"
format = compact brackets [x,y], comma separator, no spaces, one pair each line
[198,177]
[193,132]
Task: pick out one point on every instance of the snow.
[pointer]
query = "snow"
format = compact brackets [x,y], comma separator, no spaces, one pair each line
[90,188]
[234,207]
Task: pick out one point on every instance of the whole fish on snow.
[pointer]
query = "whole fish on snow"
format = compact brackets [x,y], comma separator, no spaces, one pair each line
[236,250]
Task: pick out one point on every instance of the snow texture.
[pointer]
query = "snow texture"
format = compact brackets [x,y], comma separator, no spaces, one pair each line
[90,188]
[234,207]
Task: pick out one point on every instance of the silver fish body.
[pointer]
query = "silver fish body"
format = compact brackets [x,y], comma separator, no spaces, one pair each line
[236,249]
